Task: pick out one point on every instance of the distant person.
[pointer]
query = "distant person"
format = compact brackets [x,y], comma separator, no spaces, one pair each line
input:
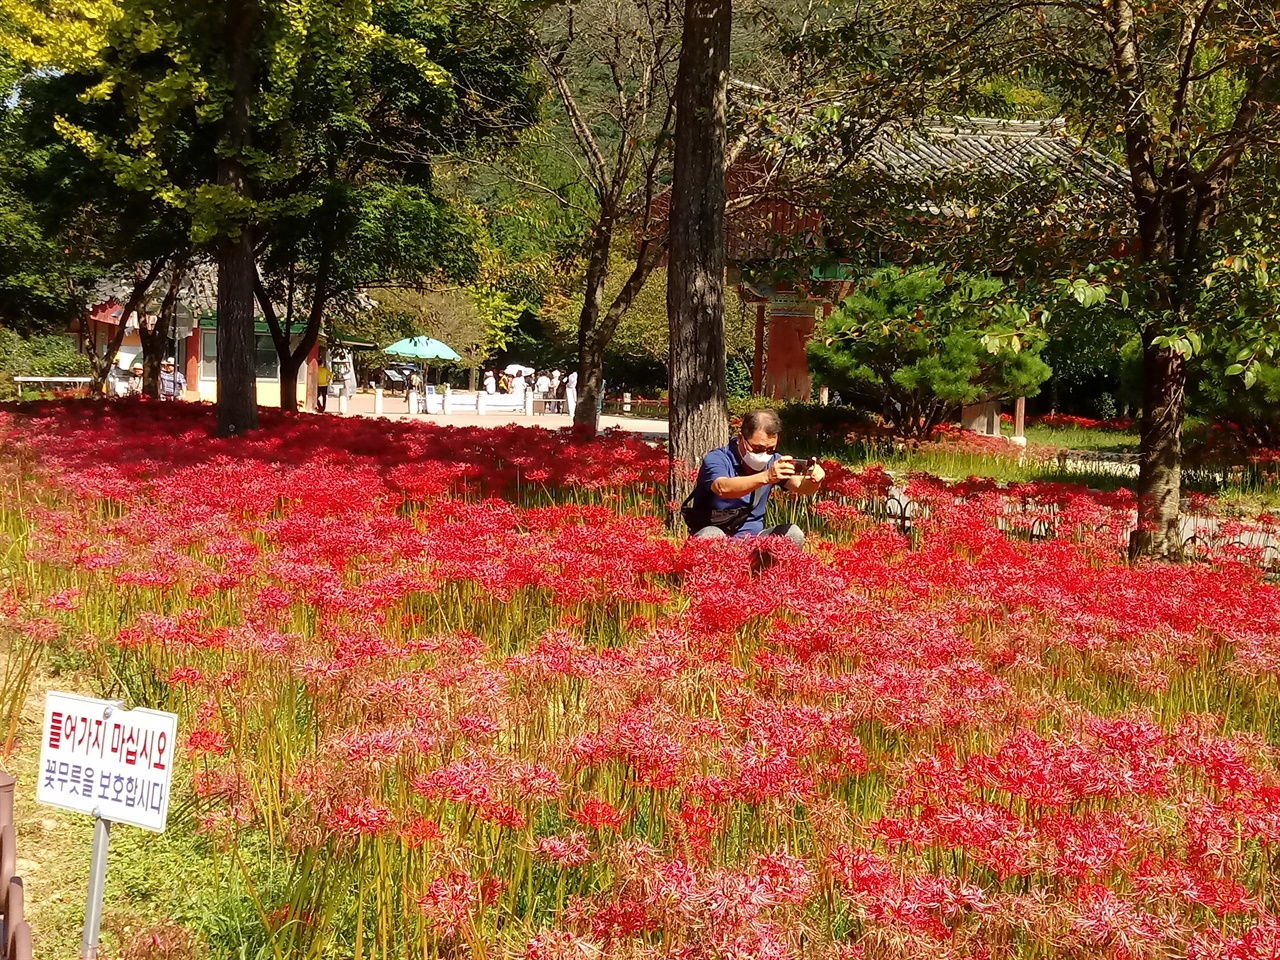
[571,391]
[517,385]
[734,483]
[135,380]
[490,383]
[414,385]
[555,392]
[172,383]
[323,379]
[118,377]
[349,376]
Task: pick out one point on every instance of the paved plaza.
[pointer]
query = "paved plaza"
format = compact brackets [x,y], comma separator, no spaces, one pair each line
[397,408]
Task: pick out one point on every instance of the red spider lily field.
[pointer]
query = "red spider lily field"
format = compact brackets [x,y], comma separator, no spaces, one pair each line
[451,692]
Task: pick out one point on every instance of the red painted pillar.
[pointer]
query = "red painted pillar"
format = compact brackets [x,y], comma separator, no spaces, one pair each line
[757,367]
[191,367]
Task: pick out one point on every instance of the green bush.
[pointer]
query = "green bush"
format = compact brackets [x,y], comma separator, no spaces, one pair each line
[808,429]
[917,344]
[1220,397]
[46,356]
[737,380]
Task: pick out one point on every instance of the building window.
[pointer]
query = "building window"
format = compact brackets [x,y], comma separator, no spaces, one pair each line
[266,360]
[208,355]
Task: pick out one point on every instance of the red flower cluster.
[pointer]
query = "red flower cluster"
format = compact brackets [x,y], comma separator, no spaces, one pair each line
[467,679]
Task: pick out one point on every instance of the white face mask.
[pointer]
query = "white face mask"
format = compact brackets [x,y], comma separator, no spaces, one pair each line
[755,461]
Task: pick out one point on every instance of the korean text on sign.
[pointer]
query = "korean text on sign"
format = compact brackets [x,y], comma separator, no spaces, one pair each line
[98,759]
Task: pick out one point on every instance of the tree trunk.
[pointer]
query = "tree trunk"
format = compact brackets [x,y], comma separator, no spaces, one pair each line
[590,383]
[695,279]
[289,367]
[237,383]
[596,333]
[590,344]
[1164,385]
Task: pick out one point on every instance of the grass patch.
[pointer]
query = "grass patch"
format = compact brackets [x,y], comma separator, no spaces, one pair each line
[1078,438]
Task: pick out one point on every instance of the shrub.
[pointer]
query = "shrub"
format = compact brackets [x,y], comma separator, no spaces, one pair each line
[44,356]
[916,344]
[737,381]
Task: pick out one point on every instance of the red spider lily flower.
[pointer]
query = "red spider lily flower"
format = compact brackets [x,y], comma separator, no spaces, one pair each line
[184,676]
[597,814]
[205,741]
[360,818]
[418,831]
[560,945]
[68,599]
[571,850]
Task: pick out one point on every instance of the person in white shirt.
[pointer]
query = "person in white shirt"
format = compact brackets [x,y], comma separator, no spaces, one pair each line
[542,390]
[490,382]
[571,391]
[517,385]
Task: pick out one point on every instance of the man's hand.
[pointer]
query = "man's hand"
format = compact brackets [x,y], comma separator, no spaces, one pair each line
[781,470]
[806,483]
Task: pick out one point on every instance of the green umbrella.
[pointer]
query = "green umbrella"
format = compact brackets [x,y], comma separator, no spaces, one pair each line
[421,348]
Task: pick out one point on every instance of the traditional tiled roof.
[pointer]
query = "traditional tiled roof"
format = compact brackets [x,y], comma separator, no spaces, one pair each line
[980,145]
[954,148]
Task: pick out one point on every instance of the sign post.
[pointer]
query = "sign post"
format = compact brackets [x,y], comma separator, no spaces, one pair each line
[114,764]
[97,881]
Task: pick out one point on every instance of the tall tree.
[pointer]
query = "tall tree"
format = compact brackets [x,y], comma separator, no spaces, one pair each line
[236,65]
[695,279]
[361,210]
[612,65]
[128,238]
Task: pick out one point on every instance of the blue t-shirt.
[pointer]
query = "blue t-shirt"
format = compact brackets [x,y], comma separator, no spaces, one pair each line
[727,462]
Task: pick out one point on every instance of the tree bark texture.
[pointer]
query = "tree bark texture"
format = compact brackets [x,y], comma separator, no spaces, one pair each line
[695,277]
[237,382]
[1164,386]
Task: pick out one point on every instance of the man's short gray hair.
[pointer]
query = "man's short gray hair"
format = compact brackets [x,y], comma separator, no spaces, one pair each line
[763,419]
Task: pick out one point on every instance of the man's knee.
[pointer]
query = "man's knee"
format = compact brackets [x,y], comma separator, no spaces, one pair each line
[709,533]
[788,530]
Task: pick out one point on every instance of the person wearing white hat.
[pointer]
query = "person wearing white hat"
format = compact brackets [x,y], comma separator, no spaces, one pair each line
[172,383]
[135,379]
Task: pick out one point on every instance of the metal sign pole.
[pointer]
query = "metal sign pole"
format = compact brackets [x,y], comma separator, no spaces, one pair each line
[97,880]
[97,869]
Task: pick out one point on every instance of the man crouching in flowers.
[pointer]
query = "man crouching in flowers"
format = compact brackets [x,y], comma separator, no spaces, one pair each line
[734,483]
